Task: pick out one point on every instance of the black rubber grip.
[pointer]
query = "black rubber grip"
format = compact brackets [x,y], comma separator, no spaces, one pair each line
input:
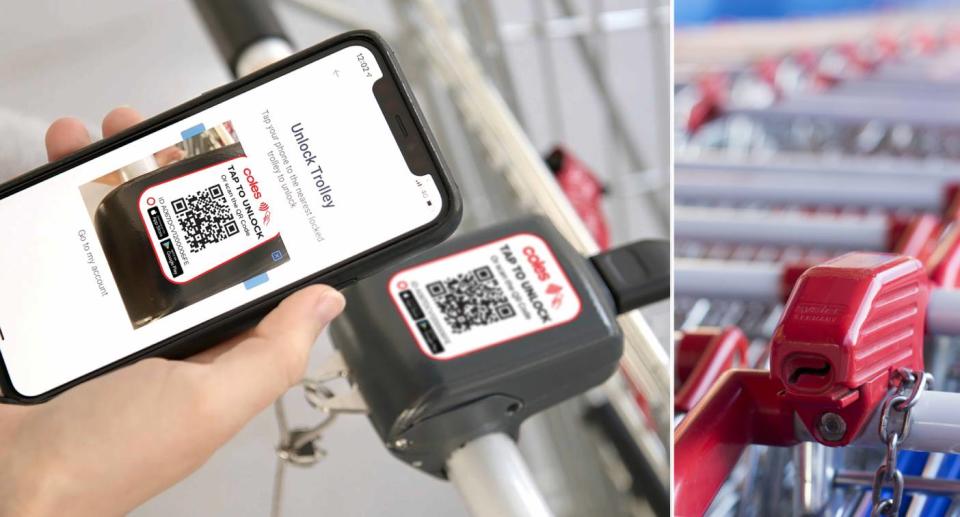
[237,24]
[637,274]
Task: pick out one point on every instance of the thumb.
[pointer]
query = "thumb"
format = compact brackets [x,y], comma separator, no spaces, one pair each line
[291,329]
[253,371]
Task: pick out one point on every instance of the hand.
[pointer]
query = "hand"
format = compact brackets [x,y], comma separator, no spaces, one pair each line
[106,446]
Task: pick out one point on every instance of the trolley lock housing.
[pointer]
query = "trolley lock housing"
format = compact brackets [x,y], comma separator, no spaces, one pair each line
[849,324]
[483,331]
[848,327]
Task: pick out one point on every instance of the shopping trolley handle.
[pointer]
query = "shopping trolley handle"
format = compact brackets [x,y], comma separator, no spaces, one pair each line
[936,245]
[744,407]
[920,236]
[703,355]
[247,33]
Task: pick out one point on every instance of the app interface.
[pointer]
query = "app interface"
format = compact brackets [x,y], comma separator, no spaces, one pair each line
[200,217]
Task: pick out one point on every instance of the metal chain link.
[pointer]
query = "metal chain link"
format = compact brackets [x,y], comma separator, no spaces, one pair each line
[298,446]
[897,409]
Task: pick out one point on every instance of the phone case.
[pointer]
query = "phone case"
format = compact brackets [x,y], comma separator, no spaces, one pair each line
[339,275]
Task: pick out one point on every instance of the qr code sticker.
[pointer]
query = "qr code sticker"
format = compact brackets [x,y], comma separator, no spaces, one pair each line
[471,299]
[205,218]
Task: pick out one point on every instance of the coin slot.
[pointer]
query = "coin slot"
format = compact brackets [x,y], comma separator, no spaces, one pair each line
[808,373]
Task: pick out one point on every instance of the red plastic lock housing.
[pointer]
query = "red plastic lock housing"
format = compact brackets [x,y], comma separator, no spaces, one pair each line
[584,190]
[848,325]
[943,266]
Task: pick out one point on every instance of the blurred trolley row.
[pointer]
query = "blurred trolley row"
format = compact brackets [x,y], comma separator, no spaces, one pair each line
[816,280]
[606,452]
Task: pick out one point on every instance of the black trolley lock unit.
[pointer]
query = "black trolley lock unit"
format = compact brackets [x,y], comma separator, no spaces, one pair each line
[483,331]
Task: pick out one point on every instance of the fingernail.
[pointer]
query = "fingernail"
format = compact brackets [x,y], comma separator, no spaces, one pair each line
[330,304]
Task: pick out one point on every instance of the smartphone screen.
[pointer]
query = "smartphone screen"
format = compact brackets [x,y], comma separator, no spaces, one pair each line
[207,214]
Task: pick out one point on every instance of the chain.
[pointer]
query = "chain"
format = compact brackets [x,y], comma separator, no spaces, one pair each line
[894,427]
[298,446]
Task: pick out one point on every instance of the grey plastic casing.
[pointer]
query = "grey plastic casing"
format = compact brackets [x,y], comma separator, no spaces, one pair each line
[423,408]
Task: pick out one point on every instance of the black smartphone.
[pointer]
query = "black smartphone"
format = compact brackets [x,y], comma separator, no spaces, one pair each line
[190,226]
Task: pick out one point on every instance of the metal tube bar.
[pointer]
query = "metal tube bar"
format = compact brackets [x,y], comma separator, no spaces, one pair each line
[936,486]
[728,279]
[816,168]
[747,226]
[493,479]
[934,428]
[548,76]
[761,281]
[879,88]
[943,312]
[261,54]
[875,192]
[934,425]
[813,484]
[595,72]
[482,26]
[340,13]
[236,26]
[846,108]
[577,25]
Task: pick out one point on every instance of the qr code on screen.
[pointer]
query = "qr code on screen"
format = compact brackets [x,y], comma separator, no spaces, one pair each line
[205,218]
[471,299]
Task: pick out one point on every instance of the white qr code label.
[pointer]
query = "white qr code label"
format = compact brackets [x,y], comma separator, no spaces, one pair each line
[202,220]
[484,296]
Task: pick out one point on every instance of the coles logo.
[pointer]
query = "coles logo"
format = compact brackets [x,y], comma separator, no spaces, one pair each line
[540,269]
[254,186]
